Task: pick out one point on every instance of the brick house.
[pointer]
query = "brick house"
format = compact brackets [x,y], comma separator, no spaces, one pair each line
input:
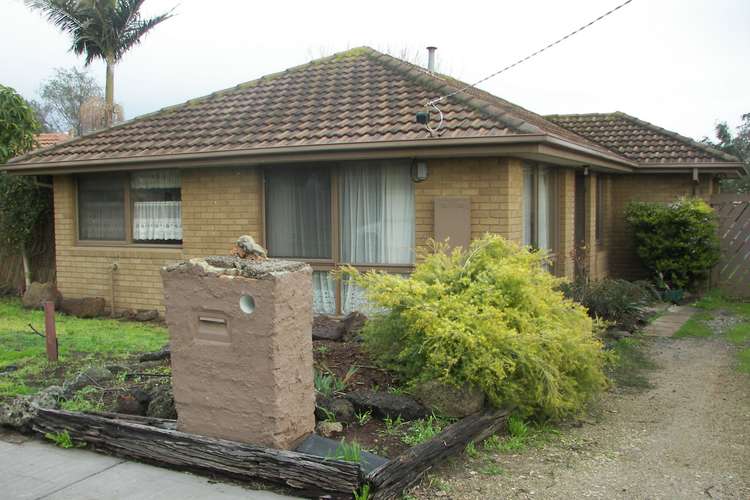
[326,163]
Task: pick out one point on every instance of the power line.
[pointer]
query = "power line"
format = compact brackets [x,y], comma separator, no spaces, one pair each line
[433,103]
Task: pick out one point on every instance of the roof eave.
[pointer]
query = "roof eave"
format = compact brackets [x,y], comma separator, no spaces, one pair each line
[323,152]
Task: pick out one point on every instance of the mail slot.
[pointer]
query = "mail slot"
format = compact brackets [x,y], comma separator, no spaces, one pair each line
[241,342]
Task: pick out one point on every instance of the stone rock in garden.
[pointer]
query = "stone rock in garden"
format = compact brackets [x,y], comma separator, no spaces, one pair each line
[448,400]
[352,324]
[146,315]
[19,412]
[39,293]
[384,404]
[88,307]
[163,353]
[617,334]
[327,328]
[96,376]
[342,409]
[329,429]
[134,402]
[162,403]
[8,369]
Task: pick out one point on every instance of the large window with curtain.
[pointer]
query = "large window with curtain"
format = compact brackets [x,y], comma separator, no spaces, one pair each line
[359,213]
[538,207]
[139,207]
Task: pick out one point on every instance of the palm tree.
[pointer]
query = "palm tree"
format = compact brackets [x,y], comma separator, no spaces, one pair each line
[101,29]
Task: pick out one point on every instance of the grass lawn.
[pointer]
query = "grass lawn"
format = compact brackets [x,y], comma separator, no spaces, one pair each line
[712,305]
[82,342]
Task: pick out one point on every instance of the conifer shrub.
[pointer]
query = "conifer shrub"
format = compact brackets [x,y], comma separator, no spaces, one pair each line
[676,242]
[491,317]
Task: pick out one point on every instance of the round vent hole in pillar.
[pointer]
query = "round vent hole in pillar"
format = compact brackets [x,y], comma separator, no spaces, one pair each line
[247,304]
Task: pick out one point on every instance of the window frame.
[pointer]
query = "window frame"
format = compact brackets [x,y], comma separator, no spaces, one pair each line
[328,265]
[127,214]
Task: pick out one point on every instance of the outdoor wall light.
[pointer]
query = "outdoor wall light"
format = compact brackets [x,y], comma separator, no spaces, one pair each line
[418,170]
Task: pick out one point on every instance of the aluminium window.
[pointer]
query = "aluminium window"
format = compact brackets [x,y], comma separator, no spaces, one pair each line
[358,213]
[138,207]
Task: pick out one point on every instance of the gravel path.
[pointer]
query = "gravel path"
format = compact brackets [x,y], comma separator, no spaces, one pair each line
[686,438]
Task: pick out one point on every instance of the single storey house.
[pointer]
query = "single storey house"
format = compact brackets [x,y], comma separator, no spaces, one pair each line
[326,163]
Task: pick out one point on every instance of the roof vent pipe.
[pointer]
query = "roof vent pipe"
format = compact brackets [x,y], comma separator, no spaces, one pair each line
[431,59]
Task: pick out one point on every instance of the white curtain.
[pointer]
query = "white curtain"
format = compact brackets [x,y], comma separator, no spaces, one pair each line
[157,220]
[544,239]
[377,220]
[324,293]
[377,213]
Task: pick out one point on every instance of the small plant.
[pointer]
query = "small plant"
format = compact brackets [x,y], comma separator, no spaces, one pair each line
[492,443]
[62,439]
[349,452]
[81,402]
[423,430]
[363,417]
[391,425]
[471,450]
[492,470]
[517,427]
[396,391]
[328,415]
[328,383]
[363,493]
[322,349]
[617,301]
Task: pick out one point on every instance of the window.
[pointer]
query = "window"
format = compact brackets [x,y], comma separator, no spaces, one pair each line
[600,215]
[359,213]
[538,207]
[141,207]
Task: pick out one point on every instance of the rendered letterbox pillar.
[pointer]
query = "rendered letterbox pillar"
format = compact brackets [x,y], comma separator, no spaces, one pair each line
[242,362]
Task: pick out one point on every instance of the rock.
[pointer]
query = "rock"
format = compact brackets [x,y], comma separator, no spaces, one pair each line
[97,376]
[617,334]
[146,315]
[162,403]
[327,328]
[448,400]
[384,404]
[117,369]
[342,409]
[19,412]
[8,369]
[329,429]
[135,402]
[247,248]
[88,307]
[164,353]
[352,324]
[39,293]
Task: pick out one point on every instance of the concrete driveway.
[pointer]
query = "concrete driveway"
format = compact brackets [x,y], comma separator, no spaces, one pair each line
[36,470]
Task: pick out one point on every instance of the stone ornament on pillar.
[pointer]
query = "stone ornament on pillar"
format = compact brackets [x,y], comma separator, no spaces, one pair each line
[242,362]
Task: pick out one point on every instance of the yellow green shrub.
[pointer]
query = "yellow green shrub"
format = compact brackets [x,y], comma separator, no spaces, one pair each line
[491,317]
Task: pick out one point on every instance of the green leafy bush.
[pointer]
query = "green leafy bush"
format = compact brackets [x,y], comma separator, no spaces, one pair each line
[491,317]
[677,242]
[613,300]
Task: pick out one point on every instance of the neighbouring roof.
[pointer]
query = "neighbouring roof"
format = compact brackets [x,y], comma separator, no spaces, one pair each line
[50,138]
[357,97]
[640,141]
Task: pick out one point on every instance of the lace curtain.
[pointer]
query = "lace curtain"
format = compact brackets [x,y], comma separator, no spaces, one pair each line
[157,209]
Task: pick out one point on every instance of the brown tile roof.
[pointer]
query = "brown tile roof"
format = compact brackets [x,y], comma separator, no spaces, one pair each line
[49,138]
[359,96]
[640,141]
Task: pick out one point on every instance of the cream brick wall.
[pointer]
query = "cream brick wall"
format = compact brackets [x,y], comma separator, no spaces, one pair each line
[218,206]
[662,188]
[492,184]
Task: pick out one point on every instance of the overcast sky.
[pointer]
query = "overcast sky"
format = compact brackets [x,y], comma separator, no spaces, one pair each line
[681,64]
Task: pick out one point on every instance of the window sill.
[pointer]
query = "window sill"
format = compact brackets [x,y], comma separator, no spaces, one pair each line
[128,250]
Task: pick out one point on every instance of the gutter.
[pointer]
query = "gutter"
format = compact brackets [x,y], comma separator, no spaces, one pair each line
[325,152]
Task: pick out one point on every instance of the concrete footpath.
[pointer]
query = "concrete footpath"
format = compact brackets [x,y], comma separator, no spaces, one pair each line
[31,469]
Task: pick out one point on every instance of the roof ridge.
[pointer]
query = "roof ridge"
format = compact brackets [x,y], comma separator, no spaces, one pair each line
[679,137]
[357,51]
